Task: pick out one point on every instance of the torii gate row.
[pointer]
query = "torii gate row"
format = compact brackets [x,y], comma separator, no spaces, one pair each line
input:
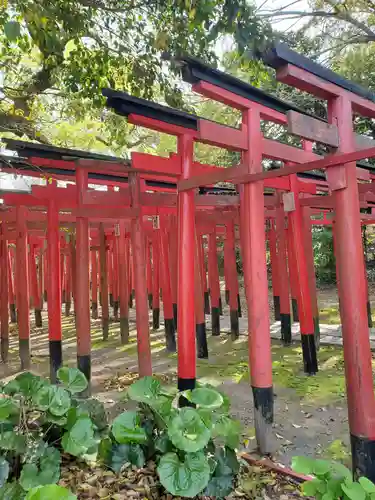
[343,99]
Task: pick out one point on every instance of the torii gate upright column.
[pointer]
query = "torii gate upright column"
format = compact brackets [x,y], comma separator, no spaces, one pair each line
[22,288]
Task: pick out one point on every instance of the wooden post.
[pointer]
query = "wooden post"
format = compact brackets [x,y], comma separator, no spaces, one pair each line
[34,287]
[274,269]
[123,257]
[94,284]
[200,321]
[22,288]
[155,281]
[230,255]
[202,259]
[139,254]
[254,254]
[116,302]
[11,294]
[82,297]
[186,256]
[68,281]
[110,273]
[173,246]
[54,290]
[170,334]
[292,268]
[62,275]
[213,276]
[104,281]
[4,314]
[149,273]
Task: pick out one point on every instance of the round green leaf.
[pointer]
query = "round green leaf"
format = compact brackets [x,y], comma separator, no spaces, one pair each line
[54,399]
[184,478]
[79,438]
[4,471]
[126,428]
[303,465]
[48,492]
[127,453]
[229,430]
[367,485]
[72,379]
[12,30]
[187,431]
[11,491]
[96,411]
[354,491]
[10,440]
[219,487]
[145,390]
[7,409]
[309,488]
[207,398]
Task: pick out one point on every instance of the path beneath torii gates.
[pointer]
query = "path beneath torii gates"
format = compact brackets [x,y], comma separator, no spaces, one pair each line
[310,412]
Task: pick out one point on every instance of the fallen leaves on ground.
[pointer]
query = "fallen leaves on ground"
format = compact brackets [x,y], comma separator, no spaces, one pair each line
[122,382]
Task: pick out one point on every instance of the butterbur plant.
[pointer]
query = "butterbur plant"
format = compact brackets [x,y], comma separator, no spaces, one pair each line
[332,481]
[194,446]
[39,421]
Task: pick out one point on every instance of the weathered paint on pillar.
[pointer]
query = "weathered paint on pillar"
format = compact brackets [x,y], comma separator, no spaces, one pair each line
[22,288]
[104,281]
[186,342]
[139,256]
[254,254]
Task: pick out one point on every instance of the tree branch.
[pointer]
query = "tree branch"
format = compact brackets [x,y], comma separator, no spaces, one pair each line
[19,125]
[98,4]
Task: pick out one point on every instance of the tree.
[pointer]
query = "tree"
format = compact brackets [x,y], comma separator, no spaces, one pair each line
[58,54]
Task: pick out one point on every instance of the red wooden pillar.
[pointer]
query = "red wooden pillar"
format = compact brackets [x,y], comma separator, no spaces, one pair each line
[202,259]
[41,277]
[186,257]
[34,287]
[213,276]
[4,314]
[72,246]
[286,324]
[94,284]
[149,272]
[132,278]
[22,288]
[292,268]
[45,273]
[68,281]
[62,275]
[104,281]
[139,254]
[352,292]
[226,279]
[82,299]
[110,274]
[155,280]
[230,255]
[130,274]
[54,290]
[309,253]
[254,254]
[173,246]
[116,303]
[200,320]
[304,297]
[11,294]
[274,269]
[170,334]
[123,257]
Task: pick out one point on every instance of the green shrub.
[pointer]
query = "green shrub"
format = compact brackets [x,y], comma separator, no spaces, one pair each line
[332,480]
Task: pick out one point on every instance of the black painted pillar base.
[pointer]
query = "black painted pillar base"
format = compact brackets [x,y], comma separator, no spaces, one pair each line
[276,306]
[234,325]
[206,303]
[124,330]
[94,310]
[286,329]
[55,359]
[310,362]
[150,301]
[45,296]
[185,384]
[100,299]
[170,335]
[111,299]
[227,295]
[105,328]
[363,457]
[220,307]
[369,315]
[215,321]
[131,300]
[202,348]
[4,350]
[317,333]
[38,318]
[63,296]
[263,418]
[12,313]
[239,306]
[156,318]
[68,306]
[116,309]
[295,310]
[175,314]
[84,365]
[24,353]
